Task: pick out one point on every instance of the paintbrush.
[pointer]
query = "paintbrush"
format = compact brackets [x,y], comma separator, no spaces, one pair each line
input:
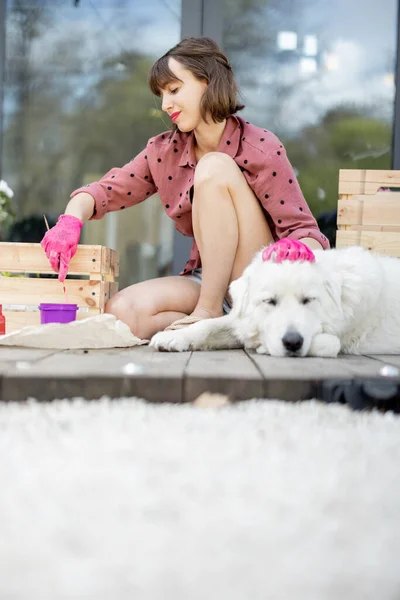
[65,291]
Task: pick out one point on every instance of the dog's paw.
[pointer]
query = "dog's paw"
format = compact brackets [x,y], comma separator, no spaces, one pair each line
[262,350]
[173,341]
[252,341]
[325,345]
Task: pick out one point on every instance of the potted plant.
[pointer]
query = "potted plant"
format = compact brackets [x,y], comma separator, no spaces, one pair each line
[7,215]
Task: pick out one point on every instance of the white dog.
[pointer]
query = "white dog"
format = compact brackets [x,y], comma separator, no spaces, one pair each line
[347,301]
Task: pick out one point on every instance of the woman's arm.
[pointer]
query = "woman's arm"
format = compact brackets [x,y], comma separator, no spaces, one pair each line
[81,206]
[311,243]
[120,188]
[279,192]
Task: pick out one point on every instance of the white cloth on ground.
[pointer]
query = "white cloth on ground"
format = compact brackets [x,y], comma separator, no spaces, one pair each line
[100,331]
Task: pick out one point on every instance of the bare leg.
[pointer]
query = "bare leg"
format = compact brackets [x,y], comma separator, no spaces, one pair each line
[229,227]
[150,306]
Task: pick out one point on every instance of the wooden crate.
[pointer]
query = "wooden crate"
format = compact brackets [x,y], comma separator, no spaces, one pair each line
[367,217]
[21,295]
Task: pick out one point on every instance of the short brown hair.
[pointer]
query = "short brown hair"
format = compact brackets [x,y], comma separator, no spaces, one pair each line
[207,62]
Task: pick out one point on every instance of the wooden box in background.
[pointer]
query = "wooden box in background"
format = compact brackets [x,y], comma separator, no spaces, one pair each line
[368,217]
[23,291]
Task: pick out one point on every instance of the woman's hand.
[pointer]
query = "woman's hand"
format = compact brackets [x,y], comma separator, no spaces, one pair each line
[60,243]
[288,249]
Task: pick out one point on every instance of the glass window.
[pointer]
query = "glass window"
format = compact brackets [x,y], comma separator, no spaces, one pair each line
[76,105]
[319,75]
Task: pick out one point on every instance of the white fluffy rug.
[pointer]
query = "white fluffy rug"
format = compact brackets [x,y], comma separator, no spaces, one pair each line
[115,500]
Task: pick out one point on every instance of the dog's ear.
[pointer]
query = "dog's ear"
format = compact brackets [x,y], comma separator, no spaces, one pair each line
[239,291]
[344,290]
[334,290]
[346,268]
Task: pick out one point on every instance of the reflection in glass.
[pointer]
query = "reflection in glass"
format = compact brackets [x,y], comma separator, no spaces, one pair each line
[319,75]
[77,104]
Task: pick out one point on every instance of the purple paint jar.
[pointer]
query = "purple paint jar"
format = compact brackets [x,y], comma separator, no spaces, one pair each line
[57,313]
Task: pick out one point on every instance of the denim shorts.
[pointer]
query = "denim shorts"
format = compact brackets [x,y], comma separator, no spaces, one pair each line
[196,275]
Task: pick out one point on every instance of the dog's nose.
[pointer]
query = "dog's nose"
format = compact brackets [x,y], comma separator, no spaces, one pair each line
[292,341]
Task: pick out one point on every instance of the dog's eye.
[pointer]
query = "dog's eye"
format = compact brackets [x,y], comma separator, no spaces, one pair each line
[306,300]
[271,301]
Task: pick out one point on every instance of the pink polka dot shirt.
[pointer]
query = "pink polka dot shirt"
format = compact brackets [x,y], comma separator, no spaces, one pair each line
[167,166]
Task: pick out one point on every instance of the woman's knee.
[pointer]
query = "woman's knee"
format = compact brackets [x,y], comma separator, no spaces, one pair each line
[117,304]
[215,167]
[122,307]
[138,304]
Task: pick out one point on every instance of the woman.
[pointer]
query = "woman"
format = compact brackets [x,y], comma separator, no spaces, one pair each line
[224,181]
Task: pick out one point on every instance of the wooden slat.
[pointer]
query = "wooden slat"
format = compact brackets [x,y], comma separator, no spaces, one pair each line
[387,359]
[349,211]
[387,243]
[294,379]
[9,354]
[351,175]
[386,178]
[165,376]
[111,257]
[381,196]
[113,288]
[391,228]
[114,263]
[98,373]
[30,258]
[347,238]
[32,291]
[382,209]
[229,372]
[16,319]
[360,187]
[366,217]
[313,367]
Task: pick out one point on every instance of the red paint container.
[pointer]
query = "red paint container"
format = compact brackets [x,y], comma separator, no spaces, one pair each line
[2,322]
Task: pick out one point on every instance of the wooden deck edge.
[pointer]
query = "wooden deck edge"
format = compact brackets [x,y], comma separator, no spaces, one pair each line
[236,389]
[19,388]
[176,389]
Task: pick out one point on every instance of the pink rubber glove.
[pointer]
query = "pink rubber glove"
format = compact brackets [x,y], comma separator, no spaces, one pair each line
[60,243]
[288,249]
